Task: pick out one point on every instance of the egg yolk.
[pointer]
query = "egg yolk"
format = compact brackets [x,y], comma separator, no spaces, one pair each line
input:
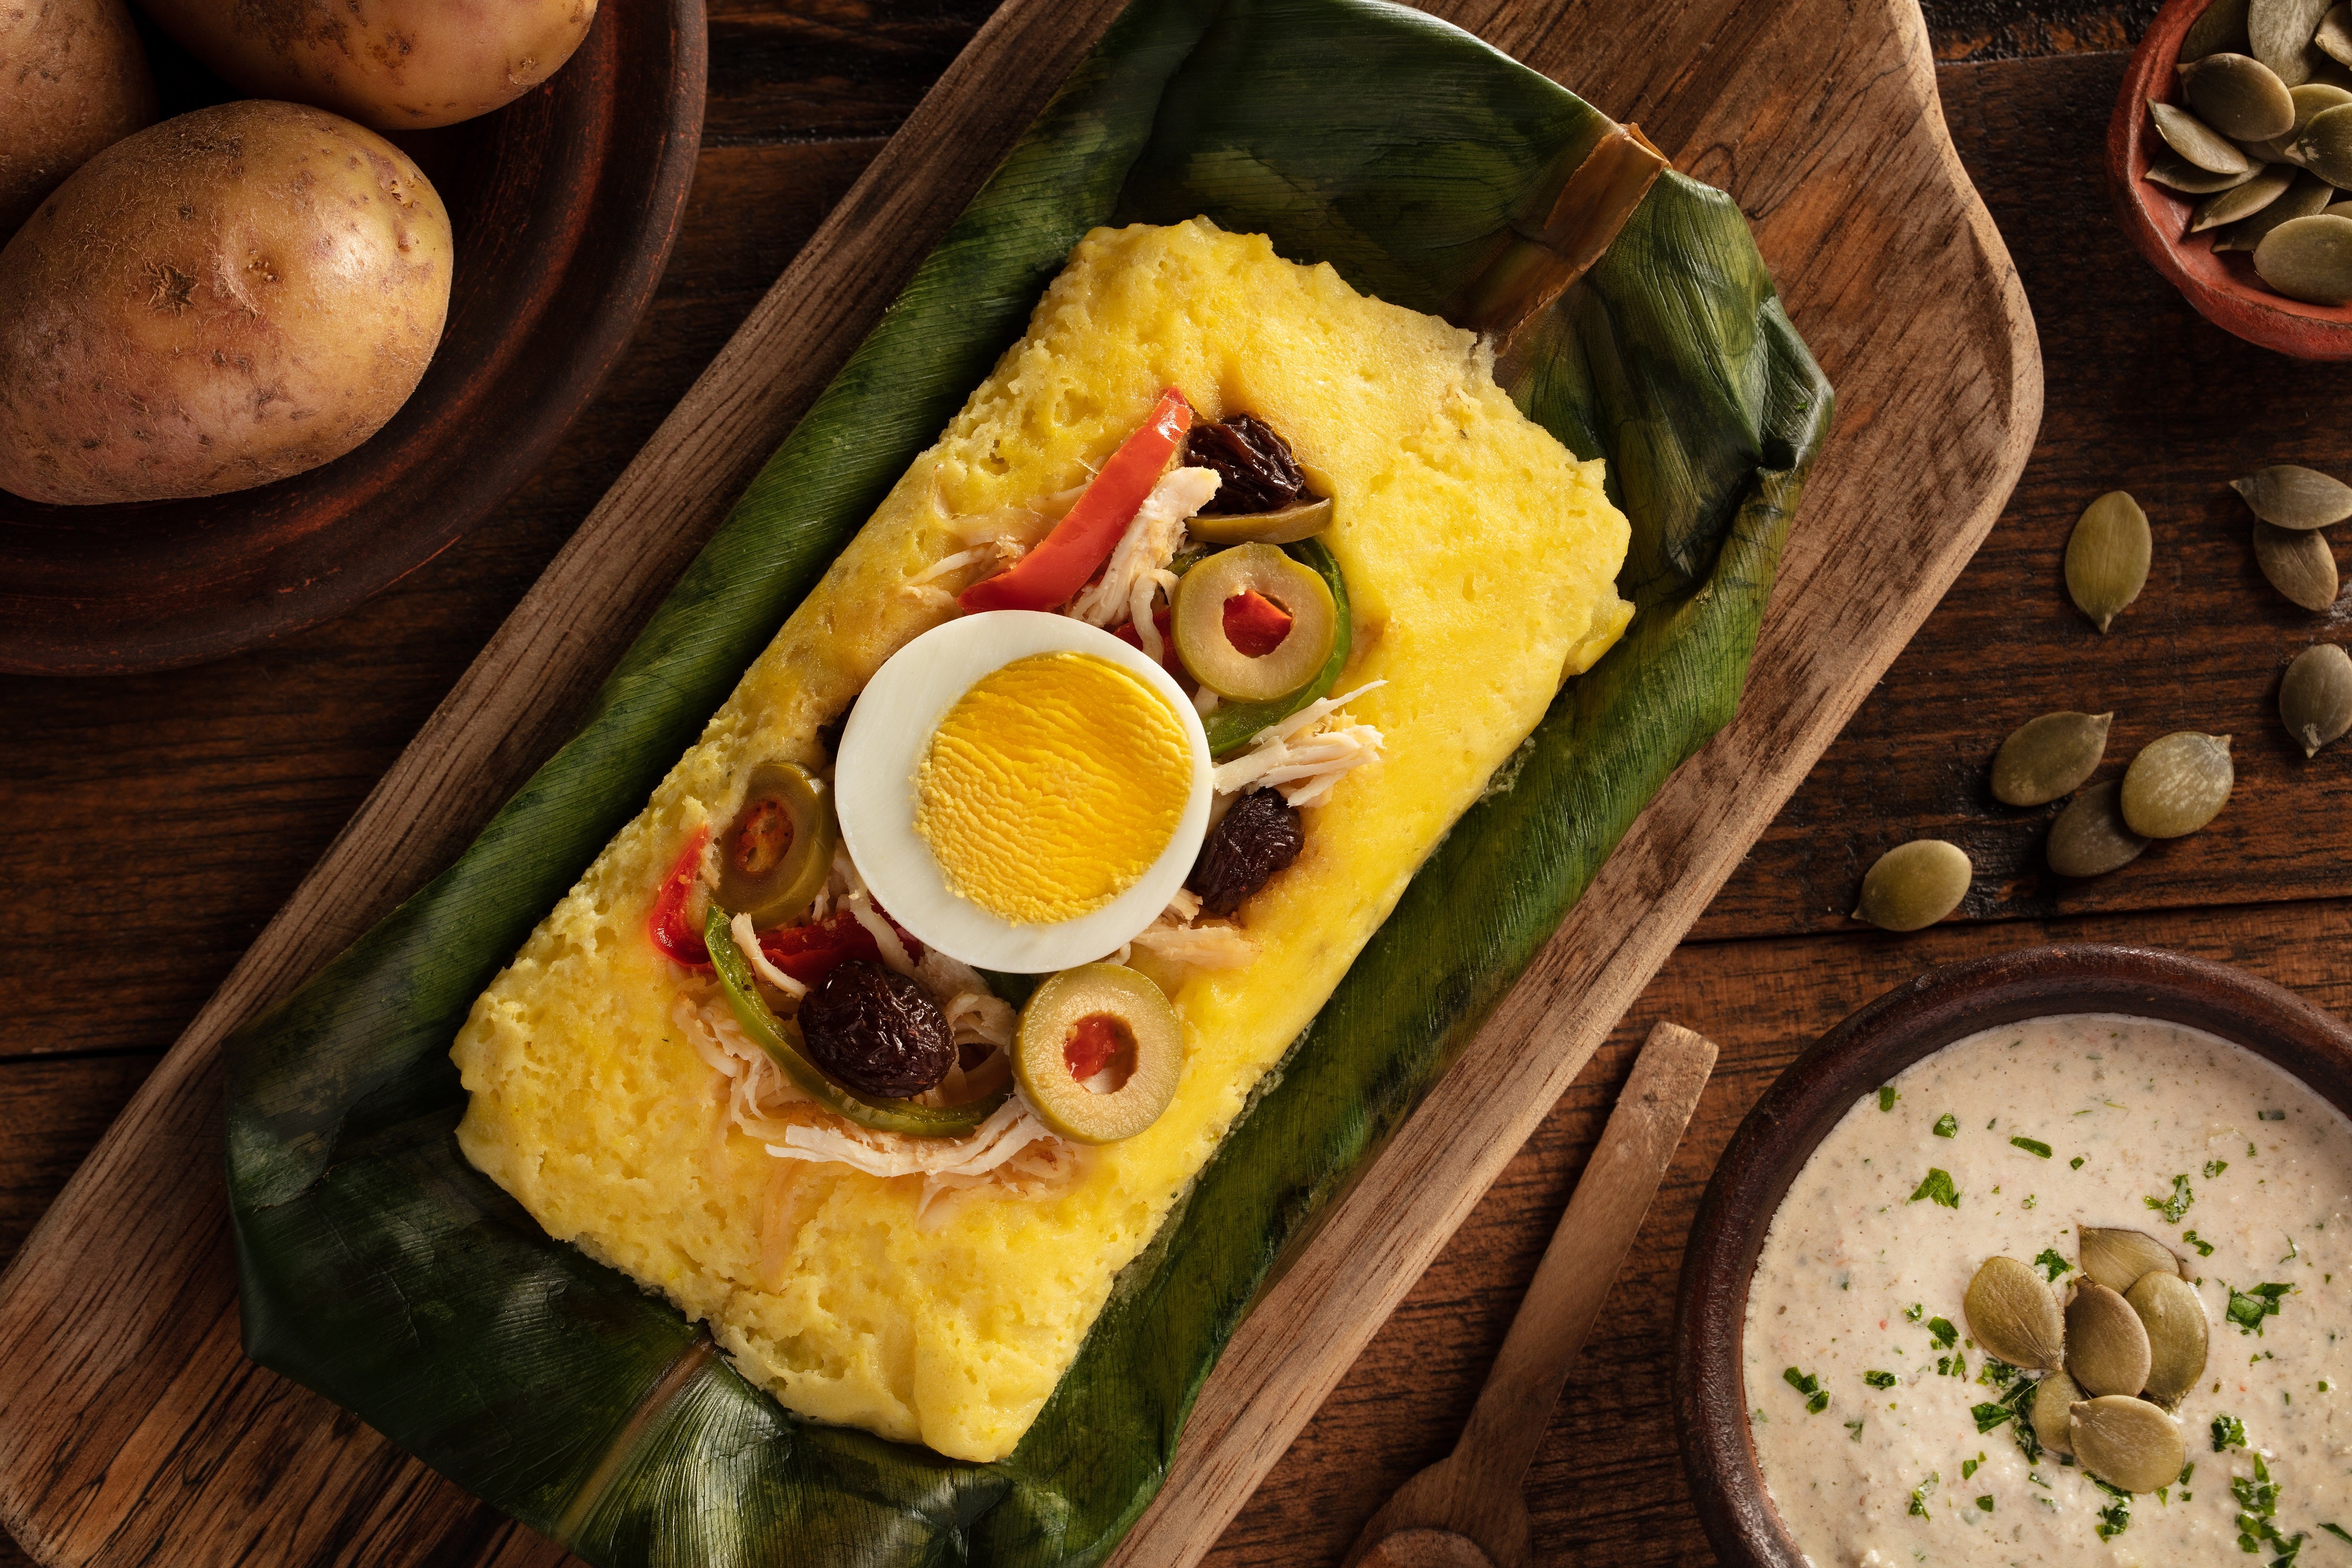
[1052,786]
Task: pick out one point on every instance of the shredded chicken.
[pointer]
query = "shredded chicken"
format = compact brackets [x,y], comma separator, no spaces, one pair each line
[1305,755]
[747,942]
[1176,936]
[1137,568]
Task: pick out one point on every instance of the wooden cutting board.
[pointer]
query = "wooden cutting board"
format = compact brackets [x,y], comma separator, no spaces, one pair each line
[131,1429]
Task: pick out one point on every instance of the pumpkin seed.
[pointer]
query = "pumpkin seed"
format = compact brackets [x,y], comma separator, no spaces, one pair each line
[2128,1442]
[2221,25]
[2334,38]
[2310,99]
[2324,144]
[2197,141]
[2294,497]
[2309,193]
[2341,209]
[2011,1314]
[2279,33]
[2315,697]
[2298,562]
[2107,1345]
[2122,1258]
[2175,1320]
[2172,171]
[2107,556]
[2049,757]
[2244,199]
[2309,259]
[2090,838]
[2053,1398]
[1913,885]
[2177,783]
[2239,97]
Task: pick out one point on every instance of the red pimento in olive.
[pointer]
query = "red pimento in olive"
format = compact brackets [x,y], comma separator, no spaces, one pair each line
[1083,1021]
[1256,624]
[775,858]
[1095,1042]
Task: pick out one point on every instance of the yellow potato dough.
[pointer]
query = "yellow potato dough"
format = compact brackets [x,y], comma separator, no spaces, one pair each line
[1480,557]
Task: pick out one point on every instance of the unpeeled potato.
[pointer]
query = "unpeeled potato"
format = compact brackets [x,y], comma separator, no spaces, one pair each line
[223,299]
[397,65]
[73,81]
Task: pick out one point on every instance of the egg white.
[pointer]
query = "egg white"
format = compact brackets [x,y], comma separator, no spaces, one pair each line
[875,789]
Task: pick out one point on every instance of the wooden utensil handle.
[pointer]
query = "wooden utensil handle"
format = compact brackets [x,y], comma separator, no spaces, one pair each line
[1587,1249]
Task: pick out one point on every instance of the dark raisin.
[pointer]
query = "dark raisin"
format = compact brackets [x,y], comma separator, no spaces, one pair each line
[1260,835]
[1254,464]
[877,1032]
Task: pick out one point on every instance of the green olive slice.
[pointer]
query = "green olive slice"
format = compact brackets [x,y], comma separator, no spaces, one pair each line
[774,857]
[780,1039]
[1199,624]
[1300,519]
[1234,725]
[1115,1027]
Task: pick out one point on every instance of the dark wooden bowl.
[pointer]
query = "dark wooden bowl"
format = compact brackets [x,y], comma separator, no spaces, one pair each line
[1837,1071]
[564,204]
[2223,289]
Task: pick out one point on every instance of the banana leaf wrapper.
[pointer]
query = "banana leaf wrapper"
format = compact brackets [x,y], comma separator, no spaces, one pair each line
[379,1268]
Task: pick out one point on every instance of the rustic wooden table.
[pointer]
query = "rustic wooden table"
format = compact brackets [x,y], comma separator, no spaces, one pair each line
[150,826]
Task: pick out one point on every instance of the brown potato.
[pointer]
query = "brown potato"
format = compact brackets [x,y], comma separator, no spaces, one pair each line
[226,298]
[73,81]
[397,65]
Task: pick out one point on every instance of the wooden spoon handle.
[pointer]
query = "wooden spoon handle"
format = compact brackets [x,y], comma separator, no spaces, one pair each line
[1587,1249]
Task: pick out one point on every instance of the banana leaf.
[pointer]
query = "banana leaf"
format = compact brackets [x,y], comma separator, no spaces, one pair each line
[379,1268]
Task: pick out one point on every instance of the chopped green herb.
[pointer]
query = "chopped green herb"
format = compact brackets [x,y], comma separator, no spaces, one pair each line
[1911,1314]
[2052,1264]
[1854,1431]
[2292,1251]
[1940,1330]
[2173,1208]
[2249,1308]
[2116,1517]
[1887,1097]
[1920,1494]
[1947,1126]
[2215,1167]
[2257,1498]
[1985,1502]
[1992,1415]
[1879,1379]
[2204,1247]
[2186,1470]
[1817,1398]
[2229,1432]
[2337,1531]
[1937,1185]
[1969,1467]
[1998,1372]
[2270,1116]
[2075,1163]
[2033,1146]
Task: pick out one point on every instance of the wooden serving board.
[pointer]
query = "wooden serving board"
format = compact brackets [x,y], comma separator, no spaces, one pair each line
[131,1429]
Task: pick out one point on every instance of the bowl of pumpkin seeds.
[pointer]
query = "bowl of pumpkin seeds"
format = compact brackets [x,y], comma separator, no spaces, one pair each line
[2229,158]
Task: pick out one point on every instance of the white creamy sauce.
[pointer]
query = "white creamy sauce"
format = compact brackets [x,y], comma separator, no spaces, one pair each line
[1855,1271]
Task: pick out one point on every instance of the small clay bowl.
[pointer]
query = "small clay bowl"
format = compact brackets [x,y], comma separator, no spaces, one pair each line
[564,204]
[1847,1064]
[2223,289]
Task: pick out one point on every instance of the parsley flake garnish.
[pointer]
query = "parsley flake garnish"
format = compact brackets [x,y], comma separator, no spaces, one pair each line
[2173,1208]
[1817,1398]
[1947,1126]
[2052,1264]
[1936,1186]
[2229,1432]
[2033,1146]
[1991,1416]
[1941,1332]
[2204,1247]
[2215,1167]
[1879,1379]
[1887,1097]
[2249,1308]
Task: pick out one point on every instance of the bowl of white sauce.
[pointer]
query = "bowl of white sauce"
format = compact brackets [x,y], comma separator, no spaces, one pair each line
[1835,1407]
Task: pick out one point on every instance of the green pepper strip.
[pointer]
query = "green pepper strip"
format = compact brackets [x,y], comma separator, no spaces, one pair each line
[760,1022]
[1233,725]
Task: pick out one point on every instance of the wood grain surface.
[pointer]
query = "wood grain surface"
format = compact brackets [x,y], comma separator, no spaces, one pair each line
[154,824]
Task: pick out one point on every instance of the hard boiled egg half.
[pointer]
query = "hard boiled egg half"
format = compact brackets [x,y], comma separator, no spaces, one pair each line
[1023,791]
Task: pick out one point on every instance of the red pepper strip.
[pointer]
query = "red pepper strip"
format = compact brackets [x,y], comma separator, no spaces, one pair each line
[809,952]
[668,926]
[1254,623]
[1059,566]
[1125,632]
